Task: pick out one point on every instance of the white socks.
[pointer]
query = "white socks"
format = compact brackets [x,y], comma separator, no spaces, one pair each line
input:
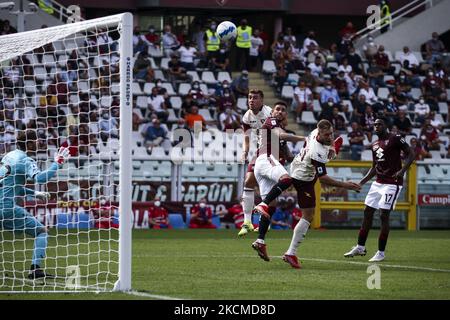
[248,203]
[299,234]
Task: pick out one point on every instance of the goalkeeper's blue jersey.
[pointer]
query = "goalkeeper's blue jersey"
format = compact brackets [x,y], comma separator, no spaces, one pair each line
[22,168]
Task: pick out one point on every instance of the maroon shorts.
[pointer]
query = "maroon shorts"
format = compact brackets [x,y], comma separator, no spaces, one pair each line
[306,196]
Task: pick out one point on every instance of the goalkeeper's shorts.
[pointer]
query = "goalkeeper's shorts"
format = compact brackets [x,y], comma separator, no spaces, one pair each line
[18,219]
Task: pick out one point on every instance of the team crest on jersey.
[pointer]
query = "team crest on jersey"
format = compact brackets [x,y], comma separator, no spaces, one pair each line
[221,2]
[274,123]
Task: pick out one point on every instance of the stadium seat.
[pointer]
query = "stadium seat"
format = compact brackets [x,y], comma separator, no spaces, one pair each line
[194,75]
[176,221]
[242,104]
[105,101]
[416,93]
[383,93]
[158,153]
[115,88]
[366,155]
[316,106]
[165,63]
[155,52]
[418,55]
[148,86]
[208,77]
[222,76]
[30,87]
[206,114]
[160,75]
[204,88]
[408,138]
[141,102]
[62,61]
[82,221]
[345,142]
[64,221]
[435,154]
[269,67]
[184,88]
[216,221]
[141,152]
[40,73]
[136,89]
[172,117]
[169,88]
[287,92]
[292,79]
[308,117]
[349,104]
[443,108]
[176,102]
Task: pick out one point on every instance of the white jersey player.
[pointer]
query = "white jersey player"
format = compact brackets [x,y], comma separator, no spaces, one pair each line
[252,122]
[306,168]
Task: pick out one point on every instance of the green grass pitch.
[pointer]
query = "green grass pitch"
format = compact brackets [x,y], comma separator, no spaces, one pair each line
[215,264]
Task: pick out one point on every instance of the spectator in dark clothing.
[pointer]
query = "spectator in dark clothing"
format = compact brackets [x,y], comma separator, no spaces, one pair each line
[356,139]
[354,60]
[367,122]
[403,123]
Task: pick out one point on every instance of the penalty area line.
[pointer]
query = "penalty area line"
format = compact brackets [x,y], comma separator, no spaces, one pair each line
[149,295]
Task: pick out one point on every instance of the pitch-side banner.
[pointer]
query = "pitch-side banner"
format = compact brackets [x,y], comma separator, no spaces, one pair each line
[435,200]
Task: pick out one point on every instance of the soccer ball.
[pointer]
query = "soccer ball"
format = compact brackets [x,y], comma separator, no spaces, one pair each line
[226,30]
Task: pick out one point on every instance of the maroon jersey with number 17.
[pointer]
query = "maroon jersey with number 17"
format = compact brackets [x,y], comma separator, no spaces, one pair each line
[387,158]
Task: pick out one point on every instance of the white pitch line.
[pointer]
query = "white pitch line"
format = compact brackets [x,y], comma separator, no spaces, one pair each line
[149,295]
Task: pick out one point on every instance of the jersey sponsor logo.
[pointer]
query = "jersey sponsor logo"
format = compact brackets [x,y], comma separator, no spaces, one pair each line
[319,170]
[307,194]
[379,153]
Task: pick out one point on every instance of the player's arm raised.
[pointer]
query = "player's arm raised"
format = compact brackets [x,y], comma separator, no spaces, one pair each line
[43,176]
[321,172]
[282,135]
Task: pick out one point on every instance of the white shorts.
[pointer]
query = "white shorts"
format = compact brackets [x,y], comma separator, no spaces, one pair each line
[383,196]
[268,172]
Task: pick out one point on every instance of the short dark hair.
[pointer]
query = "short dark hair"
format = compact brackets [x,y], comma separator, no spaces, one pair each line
[281,103]
[257,91]
[24,136]
[324,124]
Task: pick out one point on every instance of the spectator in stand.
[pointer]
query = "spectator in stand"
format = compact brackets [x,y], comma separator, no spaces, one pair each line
[12,75]
[434,48]
[303,100]
[212,41]
[105,42]
[345,44]
[329,92]
[193,116]
[143,69]
[407,55]
[333,54]
[152,37]
[421,110]
[419,150]
[276,47]
[310,41]
[345,67]
[187,53]
[201,216]
[198,37]
[156,105]
[289,37]
[354,60]
[352,84]
[256,56]
[281,75]
[410,75]
[280,219]
[140,42]
[309,79]
[265,37]
[371,97]
[400,98]
[390,110]
[6,28]
[316,69]
[327,109]
[170,41]
[199,97]
[348,29]
[430,136]
[433,89]
[156,136]
[233,216]
[182,35]
[108,126]
[229,120]
[225,101]
[367,122]
[341,85]
[313,54]
[176,71]
[356,140]
[158,216]
[370,48]
[382,60]
[375,76]
[220,61]
[435,122]
[338,122]
[243,44]
[403,123]
[60,89]
[240,85]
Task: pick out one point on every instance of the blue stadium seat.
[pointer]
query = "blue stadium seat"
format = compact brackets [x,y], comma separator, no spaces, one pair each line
[216,221]
[82,221]
[64,221]
[176,221]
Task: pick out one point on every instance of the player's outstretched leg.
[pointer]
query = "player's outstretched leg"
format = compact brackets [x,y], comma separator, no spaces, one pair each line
[360,248]
[259,245]
[382,239]
[283,183]
[248,201]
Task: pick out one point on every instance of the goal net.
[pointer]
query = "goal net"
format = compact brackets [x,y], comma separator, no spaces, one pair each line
[66,227]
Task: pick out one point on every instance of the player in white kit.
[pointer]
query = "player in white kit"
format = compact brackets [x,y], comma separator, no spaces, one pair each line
[252,122]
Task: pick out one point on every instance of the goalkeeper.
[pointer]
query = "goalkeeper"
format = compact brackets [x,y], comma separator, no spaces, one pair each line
[15,168]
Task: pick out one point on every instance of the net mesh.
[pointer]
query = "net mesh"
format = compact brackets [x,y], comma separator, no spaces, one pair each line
[62,83]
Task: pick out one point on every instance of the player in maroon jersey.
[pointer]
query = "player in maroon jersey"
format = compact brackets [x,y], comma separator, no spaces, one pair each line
[269,170]
[384,192]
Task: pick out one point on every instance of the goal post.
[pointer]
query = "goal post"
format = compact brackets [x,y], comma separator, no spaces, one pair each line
[71,85]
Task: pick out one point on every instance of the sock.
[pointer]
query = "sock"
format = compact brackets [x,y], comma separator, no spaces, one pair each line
[264,224]
[248,202]
[299,234]
[40,246]
[362,237]
[382,241]
[277,189]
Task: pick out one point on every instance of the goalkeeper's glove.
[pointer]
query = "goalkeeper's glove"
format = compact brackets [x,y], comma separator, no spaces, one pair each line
[42,195]
[62,155]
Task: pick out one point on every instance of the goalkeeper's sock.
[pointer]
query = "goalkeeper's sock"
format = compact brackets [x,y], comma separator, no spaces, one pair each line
[299,234]
[40,246]
[248,202]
